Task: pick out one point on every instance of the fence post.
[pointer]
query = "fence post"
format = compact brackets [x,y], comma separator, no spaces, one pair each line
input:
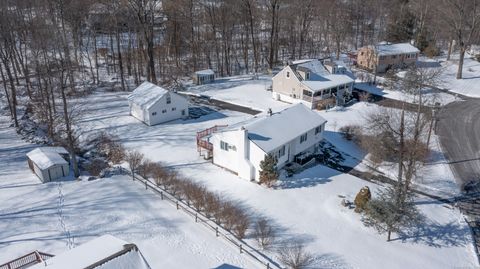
[216,231]
[146,186]
[161,195]
[196,217]
[177,205]
[241,249]
[268,265]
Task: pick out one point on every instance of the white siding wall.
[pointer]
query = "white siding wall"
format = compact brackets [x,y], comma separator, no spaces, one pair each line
[179,103]
[137,111]
[56,172]
[256,156]
[228,159]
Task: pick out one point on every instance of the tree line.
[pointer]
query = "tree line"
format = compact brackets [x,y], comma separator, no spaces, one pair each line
[51,50]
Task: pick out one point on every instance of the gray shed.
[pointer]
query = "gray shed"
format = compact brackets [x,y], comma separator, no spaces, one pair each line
[204,76]
[49,163]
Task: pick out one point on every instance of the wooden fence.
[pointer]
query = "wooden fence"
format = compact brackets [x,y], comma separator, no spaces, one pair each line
[243,247]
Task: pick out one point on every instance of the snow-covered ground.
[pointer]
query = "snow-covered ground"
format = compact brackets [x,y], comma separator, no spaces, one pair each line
[31,216]
[430,97]
[241,90]
[469,85]
[308,205]
[435,177]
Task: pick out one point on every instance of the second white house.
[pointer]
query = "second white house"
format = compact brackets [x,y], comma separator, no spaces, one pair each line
[154,105]
[291,133]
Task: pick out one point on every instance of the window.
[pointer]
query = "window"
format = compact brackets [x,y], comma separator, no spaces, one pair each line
[183,112]
[307,93]
[394,56]
[303,138]
[318,129]
[361,53]
[307,75]
[281,152]
[288,74]
[164,111]
[224,145]
[382,57]
[169,99]
[174,108]
[154,113]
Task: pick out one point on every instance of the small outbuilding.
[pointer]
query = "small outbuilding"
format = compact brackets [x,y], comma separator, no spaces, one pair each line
[154,105]
[49,163]
[204,77]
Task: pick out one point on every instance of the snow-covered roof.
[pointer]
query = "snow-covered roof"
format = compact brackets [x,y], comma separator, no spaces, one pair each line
[271,132]
[103,248]
[47,156]
[393,49]
[319,77]
[147,94]
[328,81]
[314,65]
[205,72]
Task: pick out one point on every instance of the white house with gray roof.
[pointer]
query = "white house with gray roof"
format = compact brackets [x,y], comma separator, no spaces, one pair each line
[154,105]
[310,82]
[288,134]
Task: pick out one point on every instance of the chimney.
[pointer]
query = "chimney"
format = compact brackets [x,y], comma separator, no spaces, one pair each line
[269,112]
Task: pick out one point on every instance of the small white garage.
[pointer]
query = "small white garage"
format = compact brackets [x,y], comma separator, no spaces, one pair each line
[154,105]
[49,163]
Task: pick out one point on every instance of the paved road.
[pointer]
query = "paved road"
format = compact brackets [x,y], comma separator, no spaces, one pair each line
[459,131]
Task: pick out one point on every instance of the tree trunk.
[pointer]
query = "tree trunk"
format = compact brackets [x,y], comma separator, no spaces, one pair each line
[450,48]
[120,62]
[460,61]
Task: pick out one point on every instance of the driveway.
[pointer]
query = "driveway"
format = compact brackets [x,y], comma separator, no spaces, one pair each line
[459,131]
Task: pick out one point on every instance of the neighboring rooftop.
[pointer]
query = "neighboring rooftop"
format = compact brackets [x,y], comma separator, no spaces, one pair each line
[385,48]
[106,252]
[320,78]
[270,132]
[46,157]
[146,94]
[205,72]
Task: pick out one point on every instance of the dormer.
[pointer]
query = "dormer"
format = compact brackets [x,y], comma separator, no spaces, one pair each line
[304,73]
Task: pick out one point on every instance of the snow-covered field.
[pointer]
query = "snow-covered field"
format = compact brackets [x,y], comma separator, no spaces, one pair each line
[469,85]
[308,205]
[241,90]
[31,216]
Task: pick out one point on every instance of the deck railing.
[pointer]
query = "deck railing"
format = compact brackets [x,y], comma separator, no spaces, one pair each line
[26,260]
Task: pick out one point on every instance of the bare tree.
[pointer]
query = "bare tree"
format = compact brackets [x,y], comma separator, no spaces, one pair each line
[134,160]
[295,256]
[264,232]
[462,17]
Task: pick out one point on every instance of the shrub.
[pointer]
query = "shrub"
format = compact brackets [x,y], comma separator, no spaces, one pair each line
[364,97]
[294,256]
[362,198]
[351,132]
[477,57]
[96,166]
[431,51]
